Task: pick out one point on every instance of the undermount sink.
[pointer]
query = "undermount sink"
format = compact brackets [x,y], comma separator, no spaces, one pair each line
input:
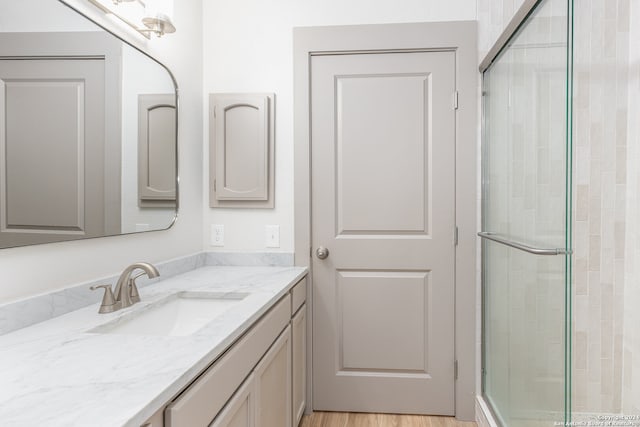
[179,314]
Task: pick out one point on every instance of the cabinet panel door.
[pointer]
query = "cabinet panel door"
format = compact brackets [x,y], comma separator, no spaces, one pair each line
[156,150]
[240,411]
[241,150]
[157,420]
[299,345]
[298,295]
[273,384]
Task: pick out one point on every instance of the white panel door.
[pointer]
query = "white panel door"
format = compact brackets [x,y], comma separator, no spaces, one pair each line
[383,194]
[52,115]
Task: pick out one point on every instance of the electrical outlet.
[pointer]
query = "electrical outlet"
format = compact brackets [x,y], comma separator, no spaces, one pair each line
[217,235]
[272,238]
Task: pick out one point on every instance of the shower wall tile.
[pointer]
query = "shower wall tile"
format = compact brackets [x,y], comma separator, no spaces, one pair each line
[600,129]
[581,277]
[594,250]
[580,395]
[629,336]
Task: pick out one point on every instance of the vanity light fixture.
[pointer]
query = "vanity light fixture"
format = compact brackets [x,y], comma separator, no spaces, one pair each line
[145,16]
[157,17]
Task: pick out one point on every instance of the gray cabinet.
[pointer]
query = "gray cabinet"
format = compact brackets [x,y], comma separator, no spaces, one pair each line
[298,350]
[273,384]
[299,363]
[260,381]
[156,150]
[264,399]
[157,420]
[240,411]
[202,401]
[241,149]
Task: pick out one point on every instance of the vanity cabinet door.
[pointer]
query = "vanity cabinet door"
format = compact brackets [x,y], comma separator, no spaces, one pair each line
[203,400]
[240,411]
[299,363]
[157,420]
[273,384]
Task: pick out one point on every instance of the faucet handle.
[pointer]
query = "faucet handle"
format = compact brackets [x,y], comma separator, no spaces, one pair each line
[133,289]
[109,303]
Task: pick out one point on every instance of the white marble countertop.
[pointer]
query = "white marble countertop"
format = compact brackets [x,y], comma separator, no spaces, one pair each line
[55,373]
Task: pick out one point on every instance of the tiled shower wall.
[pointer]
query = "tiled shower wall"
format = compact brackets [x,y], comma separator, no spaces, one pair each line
[601,90]
[606,215]
[631,331]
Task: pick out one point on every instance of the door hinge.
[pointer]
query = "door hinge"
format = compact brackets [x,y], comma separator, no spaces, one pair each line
[455,369]
[310,252]
[214,112]
[455,236]
[215,185]
[455,100]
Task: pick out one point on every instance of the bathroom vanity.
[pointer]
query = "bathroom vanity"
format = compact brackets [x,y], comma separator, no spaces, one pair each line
[153,364]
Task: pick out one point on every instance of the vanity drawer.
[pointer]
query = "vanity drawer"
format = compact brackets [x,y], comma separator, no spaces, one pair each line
[298,295]
[200,403]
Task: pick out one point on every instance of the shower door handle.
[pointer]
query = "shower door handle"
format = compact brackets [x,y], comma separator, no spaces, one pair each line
[521,246]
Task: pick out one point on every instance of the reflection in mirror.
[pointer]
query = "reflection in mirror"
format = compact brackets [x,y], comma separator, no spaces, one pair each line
[88,143]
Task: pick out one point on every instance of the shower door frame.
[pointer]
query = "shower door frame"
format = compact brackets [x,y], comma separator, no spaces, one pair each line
[519,19]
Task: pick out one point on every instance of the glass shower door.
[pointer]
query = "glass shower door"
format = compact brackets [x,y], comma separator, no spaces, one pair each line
[526,227]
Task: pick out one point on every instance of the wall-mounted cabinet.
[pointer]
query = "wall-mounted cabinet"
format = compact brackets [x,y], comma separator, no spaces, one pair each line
[156,150]
[241,166]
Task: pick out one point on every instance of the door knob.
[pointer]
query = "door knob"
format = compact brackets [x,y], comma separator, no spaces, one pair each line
[322,252]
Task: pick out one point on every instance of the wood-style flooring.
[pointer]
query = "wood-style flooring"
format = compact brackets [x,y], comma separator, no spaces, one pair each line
[342,419]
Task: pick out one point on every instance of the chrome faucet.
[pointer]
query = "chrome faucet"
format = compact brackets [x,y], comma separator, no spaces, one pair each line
[126,292]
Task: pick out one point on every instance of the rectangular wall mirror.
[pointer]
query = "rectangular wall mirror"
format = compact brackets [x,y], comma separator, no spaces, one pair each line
[88,130]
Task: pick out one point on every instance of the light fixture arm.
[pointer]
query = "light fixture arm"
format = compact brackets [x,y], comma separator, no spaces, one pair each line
[150,16]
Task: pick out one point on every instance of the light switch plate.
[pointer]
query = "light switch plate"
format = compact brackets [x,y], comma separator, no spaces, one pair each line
[272,237]
[217,235]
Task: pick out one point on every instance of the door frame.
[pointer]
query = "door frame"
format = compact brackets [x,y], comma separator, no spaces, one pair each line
[457,36]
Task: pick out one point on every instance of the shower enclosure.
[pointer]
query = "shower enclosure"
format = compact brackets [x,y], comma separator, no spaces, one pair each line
[526,225]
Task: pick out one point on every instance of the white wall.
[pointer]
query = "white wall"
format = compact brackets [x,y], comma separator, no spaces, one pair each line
[248,47]
[32,270]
